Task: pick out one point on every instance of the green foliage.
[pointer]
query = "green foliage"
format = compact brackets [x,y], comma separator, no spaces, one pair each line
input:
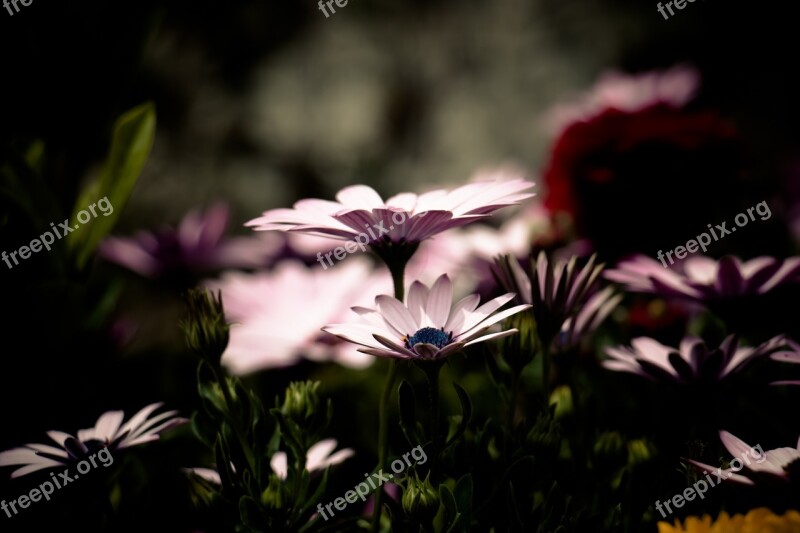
[132,138]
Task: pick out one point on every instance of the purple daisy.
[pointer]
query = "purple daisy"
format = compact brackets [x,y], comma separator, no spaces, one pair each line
[792,355]
[693,361]
[198,244]
[428,325]
[108,432]
[561,293]
[772,464]
[404,218]
[702,279]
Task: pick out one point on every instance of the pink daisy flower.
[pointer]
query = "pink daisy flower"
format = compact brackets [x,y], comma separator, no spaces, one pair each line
[771,464]
[108,432]
[404,218]
[427,325]
[691,362]
[702,279]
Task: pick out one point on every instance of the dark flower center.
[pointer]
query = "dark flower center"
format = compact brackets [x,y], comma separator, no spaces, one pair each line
[436,337]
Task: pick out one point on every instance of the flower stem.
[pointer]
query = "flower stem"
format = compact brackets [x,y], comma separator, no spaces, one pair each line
[233,411]
[546,372]
[432,373]
[512,401]
[397,269]
[383,431]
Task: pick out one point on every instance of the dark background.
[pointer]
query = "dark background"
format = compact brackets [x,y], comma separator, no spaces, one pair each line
[262,102]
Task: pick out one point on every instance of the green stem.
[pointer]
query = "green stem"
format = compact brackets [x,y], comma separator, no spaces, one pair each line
[398,275]
[233,412]
[512,401]
[546,373]
[432,370]
[383,434]
[397,269]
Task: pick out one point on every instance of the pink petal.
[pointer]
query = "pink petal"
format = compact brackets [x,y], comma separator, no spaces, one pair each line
[417,300]
[497,335]
[439,301]
[360,196]
[396,315]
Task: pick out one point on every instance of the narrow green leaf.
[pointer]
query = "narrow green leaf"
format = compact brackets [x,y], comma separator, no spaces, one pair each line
[463,497]
[131,141]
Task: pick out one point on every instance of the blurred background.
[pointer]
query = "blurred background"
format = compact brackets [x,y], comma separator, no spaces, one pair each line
[260,103]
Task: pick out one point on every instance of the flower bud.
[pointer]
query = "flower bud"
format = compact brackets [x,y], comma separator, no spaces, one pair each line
[420,499]
[544,438]
[640,451]
[561,397]
[301,402]
[610,446]
[206,330]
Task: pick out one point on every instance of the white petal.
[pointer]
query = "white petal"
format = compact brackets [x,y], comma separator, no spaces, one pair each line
[108,424]
[137,419]
[417,301]
[481,313]
[396,315]
[497,335]
[439,301]
[279,464]
[360,197]
[460,311]
[490,321]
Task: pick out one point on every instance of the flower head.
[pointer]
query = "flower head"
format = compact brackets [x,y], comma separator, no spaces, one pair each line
[405,218]
[197,245]
[272,323]
[560,292]
[427,326]
[108,432]
[702,279]
[693,361]
[761,520]
[755,464]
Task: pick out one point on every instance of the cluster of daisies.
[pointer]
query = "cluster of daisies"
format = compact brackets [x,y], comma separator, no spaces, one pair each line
[426,305]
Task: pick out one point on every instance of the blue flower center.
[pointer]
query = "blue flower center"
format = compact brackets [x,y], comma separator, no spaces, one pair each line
[436,337]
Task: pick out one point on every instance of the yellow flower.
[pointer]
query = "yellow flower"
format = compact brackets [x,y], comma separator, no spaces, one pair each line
[760,520]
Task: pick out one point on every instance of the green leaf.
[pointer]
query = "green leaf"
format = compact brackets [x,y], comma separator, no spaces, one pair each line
[463,497]
[203,429]
[312,501]
[131,141]
[223,460]
[251,514]
[466,414]
[451,514]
